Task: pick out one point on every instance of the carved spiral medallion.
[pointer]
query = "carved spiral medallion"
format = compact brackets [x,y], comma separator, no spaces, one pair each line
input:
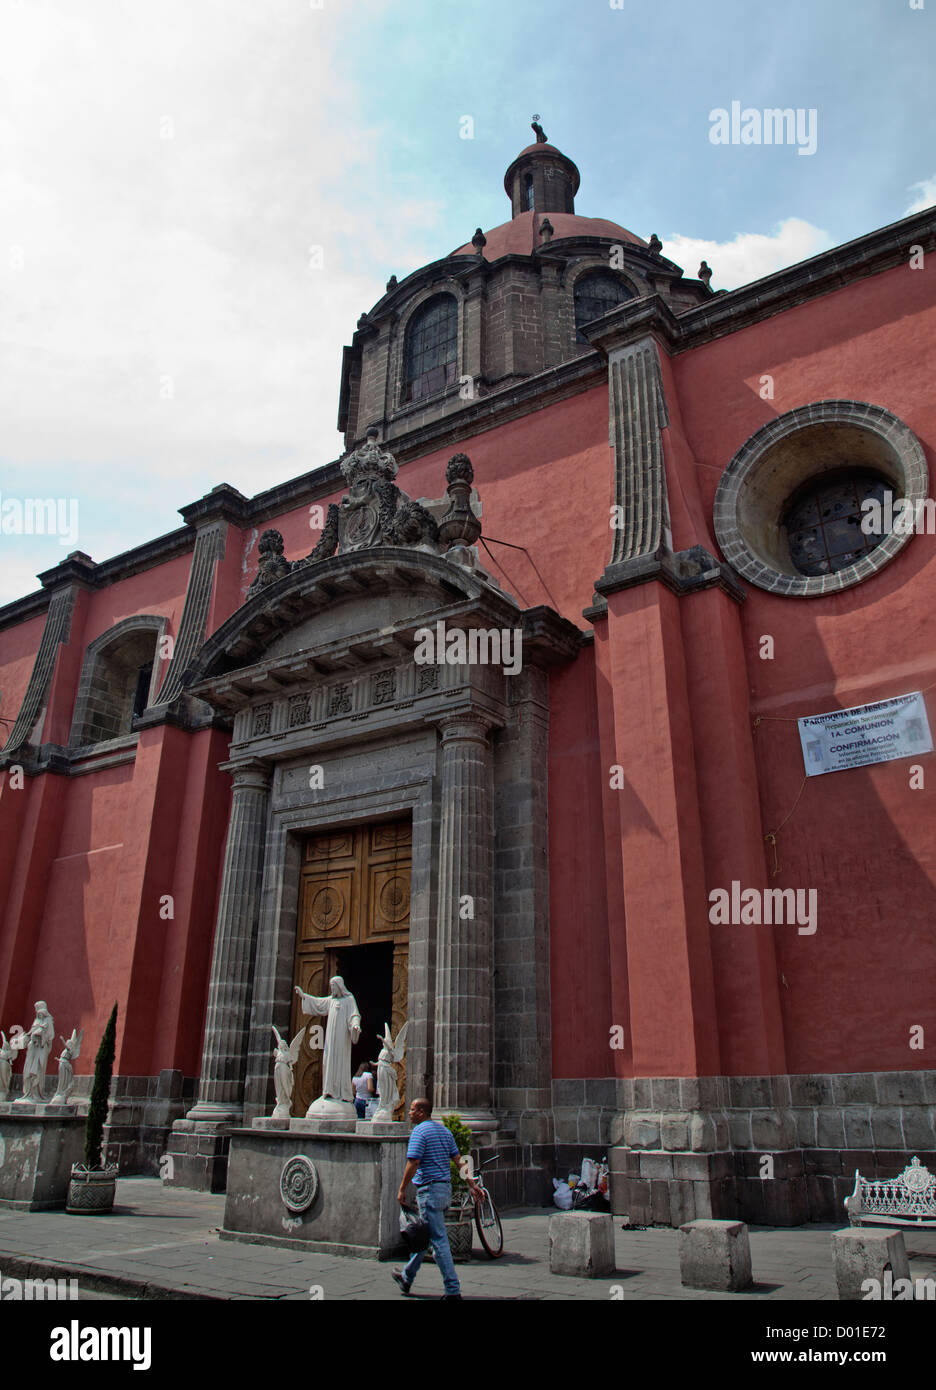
[327,908]
[298,1183]
[394,899]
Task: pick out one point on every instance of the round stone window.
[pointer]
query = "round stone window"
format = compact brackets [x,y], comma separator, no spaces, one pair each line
[828,523]
[790,505]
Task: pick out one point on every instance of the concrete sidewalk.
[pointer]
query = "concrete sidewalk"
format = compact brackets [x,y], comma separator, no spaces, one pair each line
[162,1243]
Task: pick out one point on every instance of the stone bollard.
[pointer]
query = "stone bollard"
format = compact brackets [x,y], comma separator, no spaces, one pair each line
[715,1255]
[581,1243]
[860,1255]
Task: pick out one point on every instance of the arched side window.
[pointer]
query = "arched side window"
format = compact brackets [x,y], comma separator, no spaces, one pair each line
[595,294]
[431,354]
[528,193]
[116,681]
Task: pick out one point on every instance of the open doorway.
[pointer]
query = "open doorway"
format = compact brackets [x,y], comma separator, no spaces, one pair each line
[368,973]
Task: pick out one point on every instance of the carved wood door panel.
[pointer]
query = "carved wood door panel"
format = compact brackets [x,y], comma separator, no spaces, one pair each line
[354,892]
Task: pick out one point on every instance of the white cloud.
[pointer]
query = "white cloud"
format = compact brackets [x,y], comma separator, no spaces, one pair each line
[750,255]
[925,198]
[162,329]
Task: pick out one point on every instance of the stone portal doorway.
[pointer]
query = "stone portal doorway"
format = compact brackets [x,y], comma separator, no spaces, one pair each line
[354,907]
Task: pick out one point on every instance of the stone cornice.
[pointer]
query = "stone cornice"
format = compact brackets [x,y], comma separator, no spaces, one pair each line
[500,406]
[97,576]
[683,572]
[728,312]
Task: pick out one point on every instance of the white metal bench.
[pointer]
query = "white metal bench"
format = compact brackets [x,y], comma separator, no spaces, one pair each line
[907,1200]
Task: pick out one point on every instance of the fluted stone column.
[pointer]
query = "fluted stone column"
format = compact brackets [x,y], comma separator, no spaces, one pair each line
[224,1056]
[463,993]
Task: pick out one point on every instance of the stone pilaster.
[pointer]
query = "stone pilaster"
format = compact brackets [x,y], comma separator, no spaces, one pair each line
[54,634]
[220,1093]
[209,549]
[463,1008]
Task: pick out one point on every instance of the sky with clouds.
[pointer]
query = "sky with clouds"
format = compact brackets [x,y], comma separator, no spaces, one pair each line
[166,170]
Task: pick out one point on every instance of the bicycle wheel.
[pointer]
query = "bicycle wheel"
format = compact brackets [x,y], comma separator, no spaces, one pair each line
[490,1231]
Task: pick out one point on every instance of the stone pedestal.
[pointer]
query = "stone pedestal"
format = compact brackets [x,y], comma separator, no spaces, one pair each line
[197,1156]
[860,1254]
[581,1243]
[383,1129]
[715,1255]
[37,1151]
[353,1207]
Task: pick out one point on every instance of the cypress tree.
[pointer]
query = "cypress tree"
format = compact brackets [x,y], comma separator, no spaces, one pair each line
[100,1091]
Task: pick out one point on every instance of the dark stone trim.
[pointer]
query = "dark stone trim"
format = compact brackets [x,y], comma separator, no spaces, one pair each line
[94,576]
[56,631]
[501,406]
[184,712]
[683,571]
[209,548]
[728,312]
[222,503]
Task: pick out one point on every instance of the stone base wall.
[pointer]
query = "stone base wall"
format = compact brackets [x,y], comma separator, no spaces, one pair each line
[197,1154]
[776,1150]
[142,1112]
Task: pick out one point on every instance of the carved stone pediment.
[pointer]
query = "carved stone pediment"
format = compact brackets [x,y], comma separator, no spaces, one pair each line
[375,512]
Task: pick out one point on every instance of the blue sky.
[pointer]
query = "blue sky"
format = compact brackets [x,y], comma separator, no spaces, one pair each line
[166,169]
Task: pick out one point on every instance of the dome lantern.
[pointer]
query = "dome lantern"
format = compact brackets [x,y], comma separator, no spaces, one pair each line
[541,179]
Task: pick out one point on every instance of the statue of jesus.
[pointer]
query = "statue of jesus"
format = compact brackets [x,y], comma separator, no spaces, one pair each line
[342,1029]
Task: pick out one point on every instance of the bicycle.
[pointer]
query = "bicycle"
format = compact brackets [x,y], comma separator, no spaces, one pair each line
[486,1216]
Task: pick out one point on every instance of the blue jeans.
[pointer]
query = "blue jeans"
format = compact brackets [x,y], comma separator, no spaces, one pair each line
[432,1199]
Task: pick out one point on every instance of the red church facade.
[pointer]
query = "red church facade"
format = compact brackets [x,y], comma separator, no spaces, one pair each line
[637,472]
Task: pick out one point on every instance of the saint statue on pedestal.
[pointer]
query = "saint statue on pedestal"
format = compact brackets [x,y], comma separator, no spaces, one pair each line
[40,1037]
[66,1076]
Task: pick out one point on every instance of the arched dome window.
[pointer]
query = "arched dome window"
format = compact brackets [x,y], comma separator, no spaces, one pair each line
[431,348]
[595,294]
[528,192]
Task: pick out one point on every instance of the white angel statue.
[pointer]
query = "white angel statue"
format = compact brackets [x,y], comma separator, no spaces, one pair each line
[66,1075]
[285,1057]
[390,1053]
[7,1058]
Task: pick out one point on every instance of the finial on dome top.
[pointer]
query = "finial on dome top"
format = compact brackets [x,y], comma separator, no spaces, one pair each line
[540,133]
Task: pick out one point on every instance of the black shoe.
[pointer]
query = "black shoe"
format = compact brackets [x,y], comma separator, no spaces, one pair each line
[449,1295]
[397,1275]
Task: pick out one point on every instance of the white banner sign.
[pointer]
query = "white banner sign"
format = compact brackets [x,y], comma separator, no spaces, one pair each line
[867,734]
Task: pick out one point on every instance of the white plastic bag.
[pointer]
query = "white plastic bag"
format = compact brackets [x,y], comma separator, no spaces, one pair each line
[589,1174]
[562,1195]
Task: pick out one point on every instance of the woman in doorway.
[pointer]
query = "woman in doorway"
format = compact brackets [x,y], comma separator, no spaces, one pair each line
[363,1083]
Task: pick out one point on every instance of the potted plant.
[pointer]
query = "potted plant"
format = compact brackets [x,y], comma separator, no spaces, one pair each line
[93,1184]
[458,1218]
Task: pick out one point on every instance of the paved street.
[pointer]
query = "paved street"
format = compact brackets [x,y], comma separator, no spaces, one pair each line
[163,1243]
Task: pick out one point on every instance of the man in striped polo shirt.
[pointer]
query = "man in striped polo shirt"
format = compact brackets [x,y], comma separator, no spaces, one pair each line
[428,1157]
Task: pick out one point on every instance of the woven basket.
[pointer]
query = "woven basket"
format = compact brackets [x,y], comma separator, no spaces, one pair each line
[91,1190]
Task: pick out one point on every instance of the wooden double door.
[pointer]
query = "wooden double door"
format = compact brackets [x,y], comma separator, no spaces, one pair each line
[354,912]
